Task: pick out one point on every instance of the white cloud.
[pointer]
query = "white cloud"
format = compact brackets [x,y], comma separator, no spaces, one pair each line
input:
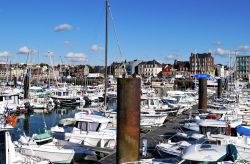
[67,43]
[243,48]
[96,48]
[62,27]
[217,43]
[220,51]
[77,57]
[23,50]
[4,54]
[26,50]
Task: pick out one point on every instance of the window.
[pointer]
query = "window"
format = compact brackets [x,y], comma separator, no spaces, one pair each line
[81,125]
[93,126]
[8,98]
[65,93]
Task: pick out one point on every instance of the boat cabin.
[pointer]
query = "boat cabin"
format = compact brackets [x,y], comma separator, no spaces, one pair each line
[218,126]
[9,98]
[88,122]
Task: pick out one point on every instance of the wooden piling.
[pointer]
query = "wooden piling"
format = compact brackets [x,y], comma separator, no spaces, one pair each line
[219,89]
[128,119]
[202,95]
[26,86]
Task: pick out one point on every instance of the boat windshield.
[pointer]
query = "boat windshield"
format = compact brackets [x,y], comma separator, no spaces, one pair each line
[87,126]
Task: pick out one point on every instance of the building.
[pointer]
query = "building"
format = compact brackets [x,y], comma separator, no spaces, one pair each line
[167,70]
[81,71]
[242,67]
[181,68]
[117,69]
[219,71]
[131,67]
[149,68]
[204,63]
[4,70]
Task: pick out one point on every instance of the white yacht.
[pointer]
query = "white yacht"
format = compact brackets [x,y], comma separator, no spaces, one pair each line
[204,153]
[8,155]
[45,147]
[62,95]
[90,130]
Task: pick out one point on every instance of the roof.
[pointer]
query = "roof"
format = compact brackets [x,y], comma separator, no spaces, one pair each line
[201,55]
[154,62]
[82,116]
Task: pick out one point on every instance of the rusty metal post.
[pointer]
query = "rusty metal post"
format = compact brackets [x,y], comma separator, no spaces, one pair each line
[202,94]
[15,81]
[26,86]
[219,89]
[128,119]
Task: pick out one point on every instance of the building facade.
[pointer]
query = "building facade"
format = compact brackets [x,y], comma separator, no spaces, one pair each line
[242,67]
[131,67]
[202,63]
[117,69]
[167,70]
[149,68]
[181,68]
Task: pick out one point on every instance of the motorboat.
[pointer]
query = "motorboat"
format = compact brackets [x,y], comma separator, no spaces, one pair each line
[90,130]
[44,146]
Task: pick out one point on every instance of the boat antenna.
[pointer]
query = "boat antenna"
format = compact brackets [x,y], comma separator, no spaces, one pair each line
[106,55]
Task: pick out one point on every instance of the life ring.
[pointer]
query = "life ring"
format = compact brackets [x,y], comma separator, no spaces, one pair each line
[11,119]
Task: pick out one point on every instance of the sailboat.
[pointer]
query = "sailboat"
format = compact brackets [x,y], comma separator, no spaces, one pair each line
[91,130]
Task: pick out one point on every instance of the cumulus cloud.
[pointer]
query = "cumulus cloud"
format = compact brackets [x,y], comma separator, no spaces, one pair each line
[23,50]
[217,43]
[62,27]
[67,43]
[222,52]
[243,48]
[4,54]
[77,57]
[96,48]
[26,50]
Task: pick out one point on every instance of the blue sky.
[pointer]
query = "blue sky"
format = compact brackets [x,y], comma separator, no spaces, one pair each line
[74,30]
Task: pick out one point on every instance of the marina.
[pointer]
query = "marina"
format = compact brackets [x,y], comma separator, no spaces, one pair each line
[73,94]
[159,138]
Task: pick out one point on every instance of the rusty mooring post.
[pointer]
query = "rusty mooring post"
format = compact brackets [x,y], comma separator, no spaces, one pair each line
[219,89]
[128,119]
[15,81]
[26,86]
[202,94]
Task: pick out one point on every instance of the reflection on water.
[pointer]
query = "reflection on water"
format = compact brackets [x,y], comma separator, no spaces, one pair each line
[35,123]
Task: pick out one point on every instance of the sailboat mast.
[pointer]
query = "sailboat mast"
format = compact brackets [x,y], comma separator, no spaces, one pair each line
[106,57]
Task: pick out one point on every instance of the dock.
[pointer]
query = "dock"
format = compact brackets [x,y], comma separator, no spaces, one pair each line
[156,135]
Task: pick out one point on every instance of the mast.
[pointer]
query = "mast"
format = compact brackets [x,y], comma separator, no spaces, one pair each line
[194,69]
[229,63]
[7,71]
[106,57]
